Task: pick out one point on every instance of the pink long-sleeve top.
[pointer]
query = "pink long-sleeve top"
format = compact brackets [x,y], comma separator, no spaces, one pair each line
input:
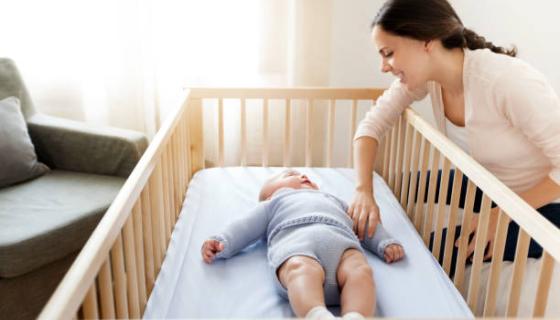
[512,117]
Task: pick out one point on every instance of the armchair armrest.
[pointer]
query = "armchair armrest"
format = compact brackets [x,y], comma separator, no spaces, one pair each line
[74,146]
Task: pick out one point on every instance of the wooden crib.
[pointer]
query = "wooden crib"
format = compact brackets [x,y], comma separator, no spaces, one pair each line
[115,272]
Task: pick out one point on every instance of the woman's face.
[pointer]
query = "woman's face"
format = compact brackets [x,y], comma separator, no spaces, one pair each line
[406,58]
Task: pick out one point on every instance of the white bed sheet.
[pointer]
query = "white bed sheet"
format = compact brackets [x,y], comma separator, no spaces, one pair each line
[242,286]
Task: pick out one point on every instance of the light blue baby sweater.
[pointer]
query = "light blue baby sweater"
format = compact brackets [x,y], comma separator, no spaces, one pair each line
[290,208]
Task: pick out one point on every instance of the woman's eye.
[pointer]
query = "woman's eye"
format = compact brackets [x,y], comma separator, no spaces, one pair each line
[388,54]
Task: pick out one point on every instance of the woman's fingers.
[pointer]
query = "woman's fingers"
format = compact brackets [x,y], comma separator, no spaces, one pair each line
[373,221]
[362,221]
[490,248]
[470,248]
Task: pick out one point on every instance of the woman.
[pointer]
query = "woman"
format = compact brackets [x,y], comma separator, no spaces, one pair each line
[497,108]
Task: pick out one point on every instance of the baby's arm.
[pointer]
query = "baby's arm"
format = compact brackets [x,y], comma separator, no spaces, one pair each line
[237,235]
[384,245]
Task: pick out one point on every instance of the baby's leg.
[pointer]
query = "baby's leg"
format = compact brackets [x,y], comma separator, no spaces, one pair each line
[355,278]
[303,277]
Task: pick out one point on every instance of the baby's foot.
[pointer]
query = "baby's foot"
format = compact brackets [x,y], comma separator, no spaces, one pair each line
[393,252]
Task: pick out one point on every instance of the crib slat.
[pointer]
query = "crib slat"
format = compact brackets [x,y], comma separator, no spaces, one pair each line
[428,224]
[173,172]
[400,150]
[220,132]
[154,195]
[496,264]
[140,264]
[106,291]
[393,158]
[464,236]
[181,149]
[173,184]
[308,131]
[265,134]
[90,307]
[406,169]
[195,117]
[188,156]
[413,174]
[353,115]
[545,278]
[117,263]
[330,132]
[165,193]
[185,159]
[130,264]
[149,255]
[518,273]
[452,221]
[442,198]
[243,117]
[420,214]
[482,231]
[176,174]
[287,133]
[157,217]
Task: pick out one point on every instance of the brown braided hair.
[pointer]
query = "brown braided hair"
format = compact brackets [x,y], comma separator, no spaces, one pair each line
[427,20]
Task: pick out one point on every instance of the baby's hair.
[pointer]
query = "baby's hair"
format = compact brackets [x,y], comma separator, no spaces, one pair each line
[262,195]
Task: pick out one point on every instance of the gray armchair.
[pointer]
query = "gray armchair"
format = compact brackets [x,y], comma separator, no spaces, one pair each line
[44,222]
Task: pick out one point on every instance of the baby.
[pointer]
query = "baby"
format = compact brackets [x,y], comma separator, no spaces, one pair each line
[316,257]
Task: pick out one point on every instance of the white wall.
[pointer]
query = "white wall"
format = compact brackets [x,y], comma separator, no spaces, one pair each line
[533,26]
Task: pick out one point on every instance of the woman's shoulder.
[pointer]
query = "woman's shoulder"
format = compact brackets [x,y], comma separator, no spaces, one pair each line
[486,69]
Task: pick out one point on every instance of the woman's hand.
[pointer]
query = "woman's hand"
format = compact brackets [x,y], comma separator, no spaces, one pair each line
[210,248]
[364,211]
[490,236]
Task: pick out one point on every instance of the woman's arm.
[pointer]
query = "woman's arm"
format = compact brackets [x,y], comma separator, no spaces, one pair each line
[363,207]
[542,193]
[381,117]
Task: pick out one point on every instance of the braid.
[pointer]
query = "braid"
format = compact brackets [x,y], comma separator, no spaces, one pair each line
[474,41]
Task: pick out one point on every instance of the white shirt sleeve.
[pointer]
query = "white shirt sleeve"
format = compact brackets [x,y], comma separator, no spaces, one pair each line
[387,109]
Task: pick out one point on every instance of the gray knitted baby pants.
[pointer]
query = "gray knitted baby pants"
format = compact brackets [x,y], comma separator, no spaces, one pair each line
[323,242]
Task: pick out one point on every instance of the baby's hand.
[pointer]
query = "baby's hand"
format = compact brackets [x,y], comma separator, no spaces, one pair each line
[393,252]
[210,248]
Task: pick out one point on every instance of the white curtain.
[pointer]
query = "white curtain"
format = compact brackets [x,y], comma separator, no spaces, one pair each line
[126,63]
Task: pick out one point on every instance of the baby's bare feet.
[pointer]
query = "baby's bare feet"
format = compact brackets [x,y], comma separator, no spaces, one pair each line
[393,252]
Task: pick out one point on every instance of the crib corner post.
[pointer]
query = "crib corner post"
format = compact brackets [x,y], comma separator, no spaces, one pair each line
[194,113]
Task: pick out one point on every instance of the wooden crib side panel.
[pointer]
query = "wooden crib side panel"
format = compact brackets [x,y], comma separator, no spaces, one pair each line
[512,208]
[114,273]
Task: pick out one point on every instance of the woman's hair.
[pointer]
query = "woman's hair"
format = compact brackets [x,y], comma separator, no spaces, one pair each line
[432,19]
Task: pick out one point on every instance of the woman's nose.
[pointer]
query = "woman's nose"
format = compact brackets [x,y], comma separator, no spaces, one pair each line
[385,67]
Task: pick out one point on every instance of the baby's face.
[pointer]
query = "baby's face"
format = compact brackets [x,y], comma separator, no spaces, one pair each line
[288,179]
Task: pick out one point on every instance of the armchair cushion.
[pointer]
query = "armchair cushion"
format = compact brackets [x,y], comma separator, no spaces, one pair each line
[69,145]
[50,217]
[18,161]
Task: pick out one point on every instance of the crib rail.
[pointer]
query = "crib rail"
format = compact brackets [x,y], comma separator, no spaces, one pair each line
[310,97]
[412,149]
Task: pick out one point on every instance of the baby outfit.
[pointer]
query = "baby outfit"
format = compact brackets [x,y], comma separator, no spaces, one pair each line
[302,222]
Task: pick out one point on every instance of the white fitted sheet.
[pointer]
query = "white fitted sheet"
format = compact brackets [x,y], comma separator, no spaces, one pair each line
[243,286]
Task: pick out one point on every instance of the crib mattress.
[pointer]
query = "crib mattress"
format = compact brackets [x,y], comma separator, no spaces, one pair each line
[242,286]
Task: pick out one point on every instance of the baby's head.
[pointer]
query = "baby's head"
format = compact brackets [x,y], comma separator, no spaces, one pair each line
[286,179]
